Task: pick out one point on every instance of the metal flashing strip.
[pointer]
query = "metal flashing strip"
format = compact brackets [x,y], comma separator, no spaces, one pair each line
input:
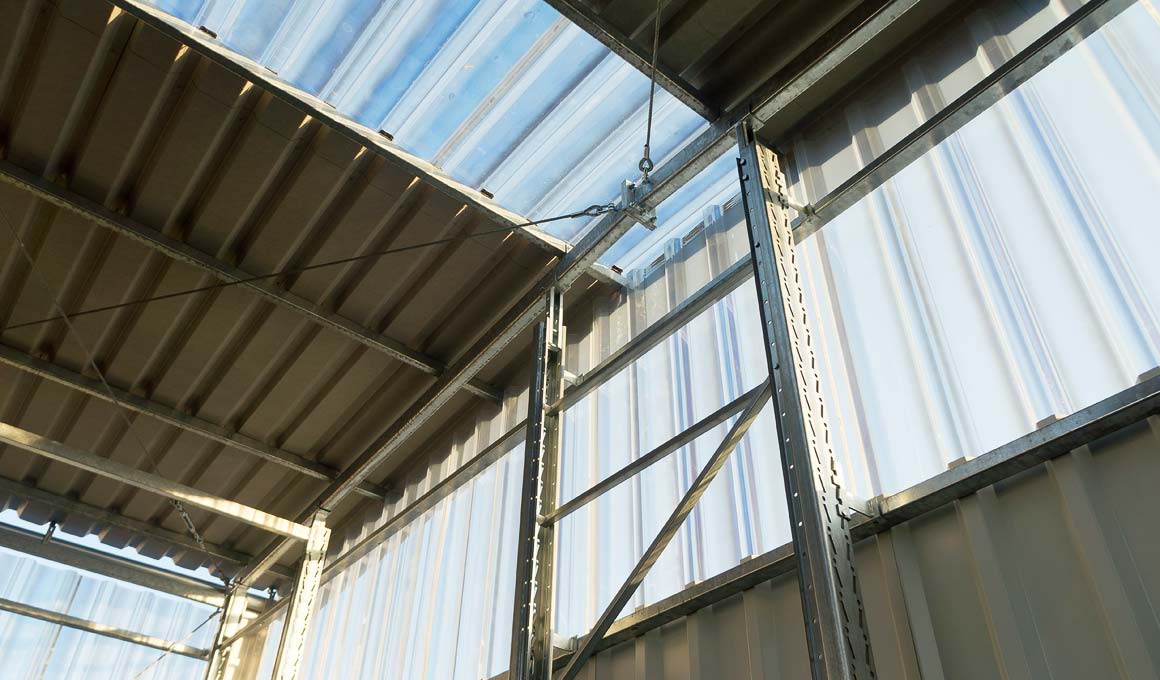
[113,632]
[1018,70]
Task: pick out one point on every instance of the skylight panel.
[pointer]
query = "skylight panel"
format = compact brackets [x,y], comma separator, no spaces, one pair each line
[504,95]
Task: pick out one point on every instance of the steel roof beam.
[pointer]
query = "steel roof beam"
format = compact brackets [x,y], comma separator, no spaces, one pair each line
[144,529]
[624,47]
[179,419]
[111,566]
[371,139]
[56,618]
[183,252]
[125,474]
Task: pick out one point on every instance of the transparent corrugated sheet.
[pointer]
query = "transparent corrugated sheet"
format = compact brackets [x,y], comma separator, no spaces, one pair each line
[505,95]
[432,600]
[1005,279]
[31,648]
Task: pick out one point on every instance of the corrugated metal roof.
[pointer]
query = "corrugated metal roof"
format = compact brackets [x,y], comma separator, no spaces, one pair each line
[121,121]
[505,95]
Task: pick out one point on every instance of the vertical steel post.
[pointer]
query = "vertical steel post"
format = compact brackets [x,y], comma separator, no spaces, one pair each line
[301,607]
[531,657]
[836,634]
[224,661]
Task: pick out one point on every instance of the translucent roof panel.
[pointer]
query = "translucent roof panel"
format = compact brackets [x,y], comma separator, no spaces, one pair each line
[503,95]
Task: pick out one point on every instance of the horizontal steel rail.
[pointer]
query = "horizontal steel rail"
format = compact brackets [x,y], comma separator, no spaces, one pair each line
[113,632]
[141,528]
[183,252]
[657,332]
[1019,69]
[127,474]
[1104,417]
[111,566]
[658,454]
[587,646]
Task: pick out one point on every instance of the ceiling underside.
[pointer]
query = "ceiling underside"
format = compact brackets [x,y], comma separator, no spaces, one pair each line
[725,53]
[138,161]
[148,148]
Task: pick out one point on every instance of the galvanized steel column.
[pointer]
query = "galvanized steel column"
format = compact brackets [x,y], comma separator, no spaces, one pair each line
[836,634]
[225,660]
[301,607]
[531,657]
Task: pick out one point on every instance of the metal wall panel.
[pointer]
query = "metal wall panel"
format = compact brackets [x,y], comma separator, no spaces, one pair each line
[1052,574]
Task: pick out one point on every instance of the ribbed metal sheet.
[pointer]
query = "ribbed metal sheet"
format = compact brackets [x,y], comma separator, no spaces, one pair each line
[1053,574]
[123,116]
[1006,278]
[504,95]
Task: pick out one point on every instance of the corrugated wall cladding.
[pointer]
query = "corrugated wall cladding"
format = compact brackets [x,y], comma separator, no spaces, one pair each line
[888,105]
[1052,574]
[1003,280]
[33,649]
[434,600]
[437,576]
[1006,278]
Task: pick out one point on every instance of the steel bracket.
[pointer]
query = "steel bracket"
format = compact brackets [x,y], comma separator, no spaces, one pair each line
[631,195]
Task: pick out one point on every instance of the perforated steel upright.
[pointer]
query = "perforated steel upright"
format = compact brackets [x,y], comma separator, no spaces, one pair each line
[531,655]
[835,622]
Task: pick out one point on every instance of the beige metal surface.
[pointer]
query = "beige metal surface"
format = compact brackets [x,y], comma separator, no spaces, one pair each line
[166,170]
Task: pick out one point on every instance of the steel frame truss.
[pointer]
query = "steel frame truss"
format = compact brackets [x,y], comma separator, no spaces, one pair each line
[587,646]
[836,635]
